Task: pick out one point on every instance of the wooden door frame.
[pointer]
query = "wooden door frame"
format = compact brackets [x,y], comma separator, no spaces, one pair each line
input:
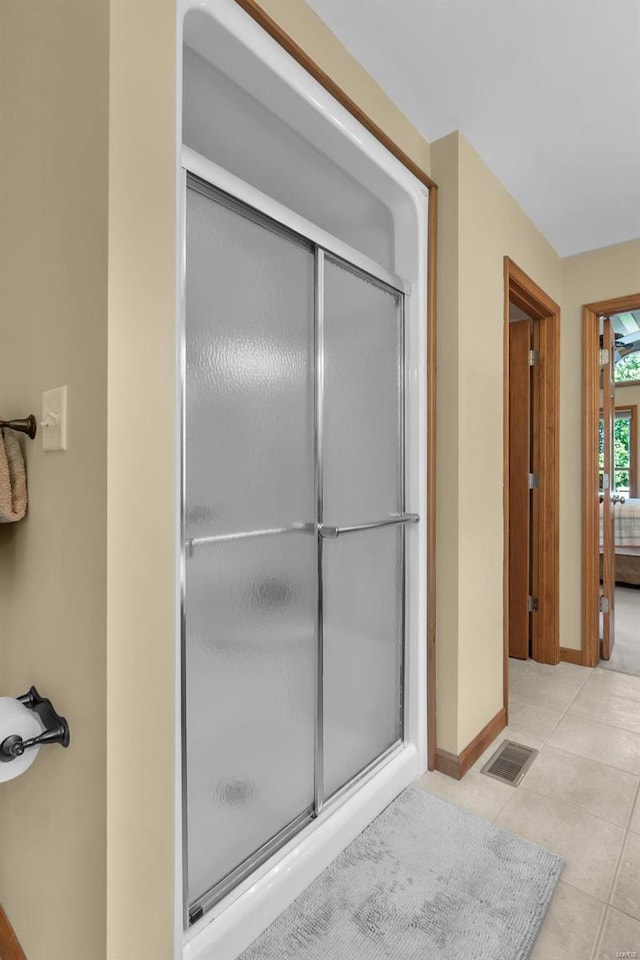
[521,290]
[521,559]
[253,8]
[10,948]
[591,312]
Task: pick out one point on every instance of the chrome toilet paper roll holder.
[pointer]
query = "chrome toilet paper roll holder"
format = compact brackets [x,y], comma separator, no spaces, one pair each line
[56,728]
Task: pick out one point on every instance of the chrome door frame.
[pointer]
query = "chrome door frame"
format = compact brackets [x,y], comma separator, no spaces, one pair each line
[217,184]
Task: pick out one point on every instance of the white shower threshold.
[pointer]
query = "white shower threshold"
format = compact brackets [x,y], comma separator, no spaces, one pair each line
[224,932]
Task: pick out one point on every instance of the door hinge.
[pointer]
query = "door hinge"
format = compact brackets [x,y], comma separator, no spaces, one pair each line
[534,481]
[604,357]
[532,604]
[534,358]
[604,605]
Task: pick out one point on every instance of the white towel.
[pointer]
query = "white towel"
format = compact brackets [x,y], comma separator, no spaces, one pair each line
[13,479]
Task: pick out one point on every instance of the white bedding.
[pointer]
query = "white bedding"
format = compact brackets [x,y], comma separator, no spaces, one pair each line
[626,527]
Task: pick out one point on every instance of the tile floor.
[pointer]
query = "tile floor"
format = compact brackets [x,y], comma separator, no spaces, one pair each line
[580,799]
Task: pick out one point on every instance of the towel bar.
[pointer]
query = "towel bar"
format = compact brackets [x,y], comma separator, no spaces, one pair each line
[333,532]
[29,425]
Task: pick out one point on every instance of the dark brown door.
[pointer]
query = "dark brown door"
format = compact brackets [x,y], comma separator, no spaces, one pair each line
[519,496]
[608,546]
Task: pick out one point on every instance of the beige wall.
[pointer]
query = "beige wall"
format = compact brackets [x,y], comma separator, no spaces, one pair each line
[142,452]
[445,171]
[490,225]
[53,331]
[586,278]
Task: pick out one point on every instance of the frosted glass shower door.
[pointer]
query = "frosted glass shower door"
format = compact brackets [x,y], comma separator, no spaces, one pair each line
[362,455]
[250,556]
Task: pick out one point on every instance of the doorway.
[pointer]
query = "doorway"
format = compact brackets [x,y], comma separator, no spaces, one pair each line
[531,505]
[523,457]
[611,508]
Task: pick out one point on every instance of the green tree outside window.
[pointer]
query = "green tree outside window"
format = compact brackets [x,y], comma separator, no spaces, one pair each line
[621,452]
[628,368]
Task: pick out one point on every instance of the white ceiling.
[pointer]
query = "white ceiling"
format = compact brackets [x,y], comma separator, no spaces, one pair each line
[547,91]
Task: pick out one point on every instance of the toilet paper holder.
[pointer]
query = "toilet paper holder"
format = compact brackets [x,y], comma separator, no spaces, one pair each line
[56,728]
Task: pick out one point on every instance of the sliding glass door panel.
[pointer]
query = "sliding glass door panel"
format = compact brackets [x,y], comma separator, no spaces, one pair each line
[250,412]
[293,425]
[362,446]
[250,697]
[362,454]
[251,557]
[363,597]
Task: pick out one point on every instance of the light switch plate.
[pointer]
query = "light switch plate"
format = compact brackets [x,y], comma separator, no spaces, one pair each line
[53,425]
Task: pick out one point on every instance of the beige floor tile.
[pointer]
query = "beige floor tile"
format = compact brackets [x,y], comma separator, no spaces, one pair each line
[570,927]
[542,669]
[544,685]
[598,741]
[613,684]
[532,719]
[480,795]
[573,668]
[616,711]
[634,823]
[587,784]
[589,845]
[626,890]
[620,937]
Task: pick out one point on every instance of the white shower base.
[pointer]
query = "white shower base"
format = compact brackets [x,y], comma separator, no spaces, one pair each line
[231,926]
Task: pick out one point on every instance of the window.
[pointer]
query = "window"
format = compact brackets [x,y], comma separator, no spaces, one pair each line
[625,456]
[627,368]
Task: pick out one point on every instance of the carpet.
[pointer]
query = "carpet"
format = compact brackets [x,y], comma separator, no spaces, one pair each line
[425,881]
[626,648]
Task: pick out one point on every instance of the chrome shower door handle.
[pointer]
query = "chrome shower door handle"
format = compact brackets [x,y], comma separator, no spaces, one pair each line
[330,533]
[192,543]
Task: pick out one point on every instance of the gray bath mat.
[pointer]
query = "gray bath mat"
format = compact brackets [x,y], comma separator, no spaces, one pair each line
[425,881]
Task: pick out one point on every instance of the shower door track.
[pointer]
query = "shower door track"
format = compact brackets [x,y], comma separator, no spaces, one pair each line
[233,879]
[219,185]
[244,869]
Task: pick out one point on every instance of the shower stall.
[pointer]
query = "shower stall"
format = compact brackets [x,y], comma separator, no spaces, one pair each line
[294,530]
[301,575]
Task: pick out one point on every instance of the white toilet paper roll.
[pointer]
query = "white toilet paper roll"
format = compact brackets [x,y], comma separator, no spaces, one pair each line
[15,718]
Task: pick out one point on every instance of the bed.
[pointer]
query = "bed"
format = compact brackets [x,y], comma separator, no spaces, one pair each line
[626,527]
